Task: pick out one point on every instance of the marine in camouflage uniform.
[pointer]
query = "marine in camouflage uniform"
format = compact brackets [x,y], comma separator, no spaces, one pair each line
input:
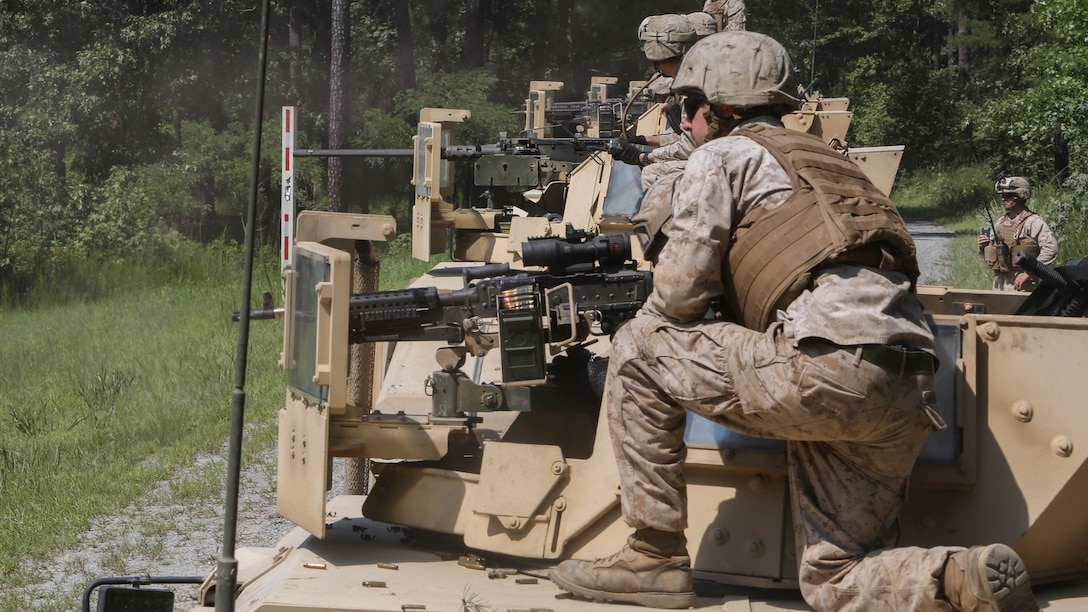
[730,14]
[838,363]
[665,39]
[666,160]
[676,146]
[1019,230]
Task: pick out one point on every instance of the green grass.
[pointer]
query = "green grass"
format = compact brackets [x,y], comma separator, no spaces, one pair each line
[102,399]
[122,383]
[957,199]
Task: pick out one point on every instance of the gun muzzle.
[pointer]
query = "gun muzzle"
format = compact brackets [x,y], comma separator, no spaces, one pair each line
[1048,275]
[258,315]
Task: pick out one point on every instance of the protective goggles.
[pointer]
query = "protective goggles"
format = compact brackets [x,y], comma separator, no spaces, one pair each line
[692,105]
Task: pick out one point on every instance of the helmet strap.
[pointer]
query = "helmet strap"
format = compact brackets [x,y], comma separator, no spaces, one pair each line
[719,121]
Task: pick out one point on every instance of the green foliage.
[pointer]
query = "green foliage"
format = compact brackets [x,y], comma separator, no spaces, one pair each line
[399,269]
[947,195]
[103,399]
[1044,91]
[125,127]
[468,89]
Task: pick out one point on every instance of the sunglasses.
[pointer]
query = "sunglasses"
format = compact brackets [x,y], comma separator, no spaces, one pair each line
[692,105]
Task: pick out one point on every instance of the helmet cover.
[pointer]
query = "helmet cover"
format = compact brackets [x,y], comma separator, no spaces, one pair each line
[665,37]
[1016,185]
[738,68]
[704,23]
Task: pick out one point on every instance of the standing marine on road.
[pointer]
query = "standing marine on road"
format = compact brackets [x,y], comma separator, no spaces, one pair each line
[1018,230]
[821,342]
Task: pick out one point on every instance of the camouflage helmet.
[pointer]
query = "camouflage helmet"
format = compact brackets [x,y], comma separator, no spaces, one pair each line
[1016,185]
[665,36]
[737,68]
[704,23]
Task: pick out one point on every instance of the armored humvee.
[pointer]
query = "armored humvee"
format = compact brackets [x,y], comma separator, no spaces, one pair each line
[467,406]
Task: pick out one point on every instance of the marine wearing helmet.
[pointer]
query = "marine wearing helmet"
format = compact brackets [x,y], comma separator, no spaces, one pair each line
[820,341]
[1019,230]
[704,23]
[1015,185]
[665,39]
[759,76]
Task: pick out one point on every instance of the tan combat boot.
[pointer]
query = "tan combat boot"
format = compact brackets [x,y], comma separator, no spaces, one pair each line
[988,579]
[644,572]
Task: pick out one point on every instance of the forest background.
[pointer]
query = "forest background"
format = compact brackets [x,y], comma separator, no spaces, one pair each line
[125,125]
[125,135]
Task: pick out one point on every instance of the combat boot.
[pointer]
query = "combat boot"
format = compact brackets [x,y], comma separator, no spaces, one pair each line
[640,573]
[988,579]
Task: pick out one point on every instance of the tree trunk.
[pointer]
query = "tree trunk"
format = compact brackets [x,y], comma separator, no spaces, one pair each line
[562,34]
[540,40]
[406,54]
[337,63]
[963,56]
[1061,156]
[474,37]
[294,43]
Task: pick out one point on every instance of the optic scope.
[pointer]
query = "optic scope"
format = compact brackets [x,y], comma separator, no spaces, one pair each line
[611,250]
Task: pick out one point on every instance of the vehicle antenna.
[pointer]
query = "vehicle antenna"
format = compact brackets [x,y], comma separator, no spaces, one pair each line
[623,114]
[812,60]
[227,569]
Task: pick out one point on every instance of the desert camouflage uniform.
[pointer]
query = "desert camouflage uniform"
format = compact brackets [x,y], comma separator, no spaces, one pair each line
[731,14]
[854,429]
[661,173]
[1037,228]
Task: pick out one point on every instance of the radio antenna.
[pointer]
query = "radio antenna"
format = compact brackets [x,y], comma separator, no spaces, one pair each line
[812,60]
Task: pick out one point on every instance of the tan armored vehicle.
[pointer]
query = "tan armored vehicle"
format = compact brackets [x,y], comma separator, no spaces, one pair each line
[474,398]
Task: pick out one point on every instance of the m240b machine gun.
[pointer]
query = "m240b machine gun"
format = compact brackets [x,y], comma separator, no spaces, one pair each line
[590,288]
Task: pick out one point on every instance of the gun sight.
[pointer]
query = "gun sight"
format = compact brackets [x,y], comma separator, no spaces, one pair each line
[612,250]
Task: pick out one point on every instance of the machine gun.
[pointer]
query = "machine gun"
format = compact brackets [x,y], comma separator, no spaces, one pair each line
[590,288]
[602,116]
[1062,292]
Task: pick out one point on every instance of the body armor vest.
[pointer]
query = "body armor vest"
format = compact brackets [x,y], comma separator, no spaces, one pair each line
[1001,254]
[835,215]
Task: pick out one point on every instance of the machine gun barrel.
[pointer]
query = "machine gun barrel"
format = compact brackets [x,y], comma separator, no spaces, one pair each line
[352,153]
[1048,275]
[1061,293]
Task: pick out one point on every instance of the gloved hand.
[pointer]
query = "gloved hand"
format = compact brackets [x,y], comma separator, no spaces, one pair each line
[674,116]
[627,152]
